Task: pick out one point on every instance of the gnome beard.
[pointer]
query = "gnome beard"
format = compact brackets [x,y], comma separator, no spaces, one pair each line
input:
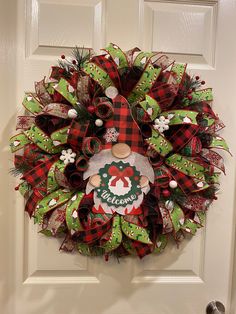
[119,184]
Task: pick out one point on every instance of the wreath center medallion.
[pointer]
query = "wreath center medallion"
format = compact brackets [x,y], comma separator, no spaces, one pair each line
[119,185]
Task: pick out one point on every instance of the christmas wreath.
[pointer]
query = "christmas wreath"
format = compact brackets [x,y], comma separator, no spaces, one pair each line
[117,152]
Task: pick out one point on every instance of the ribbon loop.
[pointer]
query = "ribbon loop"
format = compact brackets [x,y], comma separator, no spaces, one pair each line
[135,232]
[179,70]
[91,146]
[117,55]
[43,141]
[104,110]
[18,141]
[115,238]
[145,83]
[186,166]
[98,75]
[151,106]
[32,104]
[72,219]
[67,91]
[51,201]
[159,143]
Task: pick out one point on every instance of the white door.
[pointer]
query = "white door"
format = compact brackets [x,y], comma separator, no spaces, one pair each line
[35,277]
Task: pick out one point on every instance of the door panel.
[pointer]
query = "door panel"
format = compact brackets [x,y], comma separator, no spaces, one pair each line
[177,281]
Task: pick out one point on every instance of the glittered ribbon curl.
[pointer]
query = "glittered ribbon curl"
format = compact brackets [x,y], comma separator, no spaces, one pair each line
[104,110]
[91,146]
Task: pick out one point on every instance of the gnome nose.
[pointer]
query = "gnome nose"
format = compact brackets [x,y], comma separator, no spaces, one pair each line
[121,150]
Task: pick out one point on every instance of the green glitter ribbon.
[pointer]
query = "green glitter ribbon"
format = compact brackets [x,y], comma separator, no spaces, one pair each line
[43,141]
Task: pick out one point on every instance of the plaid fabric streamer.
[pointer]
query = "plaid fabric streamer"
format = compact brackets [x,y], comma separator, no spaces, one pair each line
[110,67]
[18,160]
[164,94]
[32,201]
[141,248]
[203,107]
[182,136]
[125,125]
[94,234]
[186,183]
[76,135]
[33,154]
[39,173]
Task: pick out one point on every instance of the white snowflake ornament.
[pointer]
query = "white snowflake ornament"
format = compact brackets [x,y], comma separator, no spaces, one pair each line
[162,123]
[111,135]
[67,156]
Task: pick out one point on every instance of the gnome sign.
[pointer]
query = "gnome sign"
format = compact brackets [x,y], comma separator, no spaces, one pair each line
[120,174]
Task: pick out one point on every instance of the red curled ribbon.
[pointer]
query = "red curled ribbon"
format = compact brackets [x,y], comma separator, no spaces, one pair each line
[104,110]
[120,175]
[91,146]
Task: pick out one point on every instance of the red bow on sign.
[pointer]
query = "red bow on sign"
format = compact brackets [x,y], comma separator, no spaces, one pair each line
[120,175]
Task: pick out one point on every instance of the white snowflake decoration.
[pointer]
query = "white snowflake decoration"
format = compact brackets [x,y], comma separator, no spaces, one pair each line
[162,123]
[111,135]
[68,156]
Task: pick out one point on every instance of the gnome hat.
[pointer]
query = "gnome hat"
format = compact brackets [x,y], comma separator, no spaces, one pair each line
[127,130]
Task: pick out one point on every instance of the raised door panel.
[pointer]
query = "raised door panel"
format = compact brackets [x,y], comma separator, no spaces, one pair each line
[184,30]
[55,27]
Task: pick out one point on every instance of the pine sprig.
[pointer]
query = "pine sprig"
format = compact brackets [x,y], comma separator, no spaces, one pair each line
[81,56]
[83,114]
[191,83]
[20,170]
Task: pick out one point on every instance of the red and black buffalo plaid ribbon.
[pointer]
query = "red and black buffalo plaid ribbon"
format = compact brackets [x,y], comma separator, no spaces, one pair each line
[76,134]
[34,198]
[33,154]
[125,125]
[94,234]
[141,248]
[109,66]
[18,160]
[39,173]
[186,183]
[182,136]
[164,94]
[203,107]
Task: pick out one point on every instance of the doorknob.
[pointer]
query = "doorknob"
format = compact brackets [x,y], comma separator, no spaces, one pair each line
[215,307]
